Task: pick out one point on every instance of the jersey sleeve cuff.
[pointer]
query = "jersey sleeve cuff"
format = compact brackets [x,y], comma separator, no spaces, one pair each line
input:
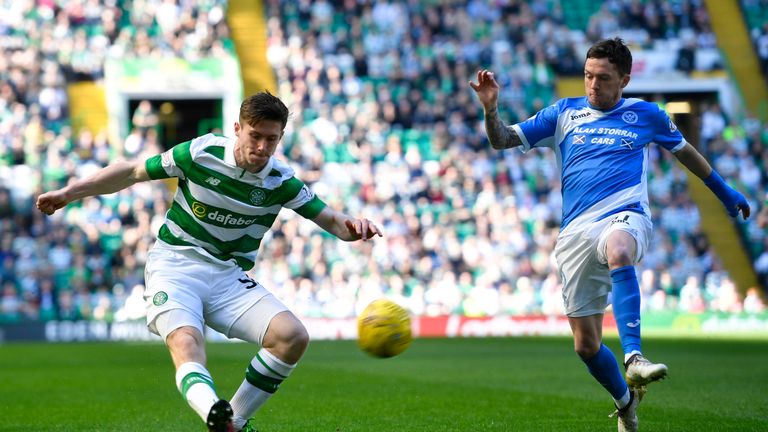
[526,145]
[679,146]
[312,208]
[154,166]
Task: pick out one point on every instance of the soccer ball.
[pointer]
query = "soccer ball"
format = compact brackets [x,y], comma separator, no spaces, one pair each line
[384,329]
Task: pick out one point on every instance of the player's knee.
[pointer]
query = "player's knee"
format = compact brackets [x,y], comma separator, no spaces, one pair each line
[303,340]
[185,344]
[620,249]
[620,256]
[184,337]
[287,340]
[586,350]
[298,338]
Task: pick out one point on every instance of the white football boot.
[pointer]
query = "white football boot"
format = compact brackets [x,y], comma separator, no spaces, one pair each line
[628,415]
[641,371]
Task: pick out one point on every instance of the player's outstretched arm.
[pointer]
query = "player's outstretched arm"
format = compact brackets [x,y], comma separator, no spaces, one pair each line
[112,178]
[732,199]
[346,227]
[500,135]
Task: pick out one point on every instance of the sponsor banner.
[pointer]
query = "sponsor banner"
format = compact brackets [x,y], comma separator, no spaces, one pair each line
[449,326]
[463,326]
[76,331]
[14,332]
[709,323]
[671,323]
[170,73]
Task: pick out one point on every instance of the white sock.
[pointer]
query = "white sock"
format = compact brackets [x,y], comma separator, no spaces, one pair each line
[630,354]
[196,386]
[262,379]
[621,403]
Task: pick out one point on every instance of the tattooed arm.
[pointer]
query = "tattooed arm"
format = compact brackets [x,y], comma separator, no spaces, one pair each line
[500,135]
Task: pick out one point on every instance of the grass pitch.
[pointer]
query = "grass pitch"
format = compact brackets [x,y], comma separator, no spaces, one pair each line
[502,384]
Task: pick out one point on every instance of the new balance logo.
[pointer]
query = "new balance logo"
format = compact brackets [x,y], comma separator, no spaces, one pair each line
[213,181]
[634,324]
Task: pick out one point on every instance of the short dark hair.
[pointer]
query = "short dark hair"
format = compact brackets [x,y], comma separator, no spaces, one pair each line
[615,51]
[263,106]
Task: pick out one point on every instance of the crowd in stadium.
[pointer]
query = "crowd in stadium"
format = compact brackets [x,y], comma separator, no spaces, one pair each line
[382,125]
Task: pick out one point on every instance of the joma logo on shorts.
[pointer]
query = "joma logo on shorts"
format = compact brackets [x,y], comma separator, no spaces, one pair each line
[624,220]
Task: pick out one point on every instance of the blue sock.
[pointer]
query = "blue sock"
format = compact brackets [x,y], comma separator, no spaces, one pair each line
[626,307]
[604,368]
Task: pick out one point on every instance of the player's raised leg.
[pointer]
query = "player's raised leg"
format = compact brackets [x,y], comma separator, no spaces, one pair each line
[283,339]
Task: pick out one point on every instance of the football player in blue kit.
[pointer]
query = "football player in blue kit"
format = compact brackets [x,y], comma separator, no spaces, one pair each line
[601,143]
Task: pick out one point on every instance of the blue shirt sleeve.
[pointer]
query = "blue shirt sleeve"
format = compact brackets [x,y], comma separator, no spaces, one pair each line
[539,130]
[666,133]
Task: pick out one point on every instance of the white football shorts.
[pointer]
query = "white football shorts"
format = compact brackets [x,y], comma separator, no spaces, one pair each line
[185,289]
[583,263]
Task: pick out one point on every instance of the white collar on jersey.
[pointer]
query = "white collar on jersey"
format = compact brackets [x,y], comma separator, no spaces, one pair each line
[229,158]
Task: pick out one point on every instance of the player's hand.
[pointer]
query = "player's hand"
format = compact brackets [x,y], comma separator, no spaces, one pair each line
[362,229]
[738,203]
[487,89]
[733,201]
[49,202]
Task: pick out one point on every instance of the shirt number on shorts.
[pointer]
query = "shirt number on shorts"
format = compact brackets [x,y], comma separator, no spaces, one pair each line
[248,282]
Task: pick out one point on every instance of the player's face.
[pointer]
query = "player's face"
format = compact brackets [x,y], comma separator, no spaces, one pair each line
[603,82]
[255,144]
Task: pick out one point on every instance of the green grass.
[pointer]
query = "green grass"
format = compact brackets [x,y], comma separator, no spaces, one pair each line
[517,384]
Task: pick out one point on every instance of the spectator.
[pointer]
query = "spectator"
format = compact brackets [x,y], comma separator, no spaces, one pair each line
[686,57]
[761,43]
[753,303]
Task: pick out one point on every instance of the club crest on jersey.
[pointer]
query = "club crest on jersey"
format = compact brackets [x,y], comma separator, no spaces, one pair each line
[257,196]
[672,126]
[629,117]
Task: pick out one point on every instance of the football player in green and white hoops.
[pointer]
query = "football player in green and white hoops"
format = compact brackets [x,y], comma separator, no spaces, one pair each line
[230,192]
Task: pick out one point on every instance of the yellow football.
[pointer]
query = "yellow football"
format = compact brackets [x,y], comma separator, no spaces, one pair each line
[384,329]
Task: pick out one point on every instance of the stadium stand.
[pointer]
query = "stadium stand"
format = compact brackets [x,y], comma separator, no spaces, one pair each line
[756,16]
[383,125]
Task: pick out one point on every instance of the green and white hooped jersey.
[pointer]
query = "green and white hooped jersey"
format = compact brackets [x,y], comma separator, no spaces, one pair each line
[220,209]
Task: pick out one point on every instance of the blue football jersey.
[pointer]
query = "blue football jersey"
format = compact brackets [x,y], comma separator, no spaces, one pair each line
[602,154]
